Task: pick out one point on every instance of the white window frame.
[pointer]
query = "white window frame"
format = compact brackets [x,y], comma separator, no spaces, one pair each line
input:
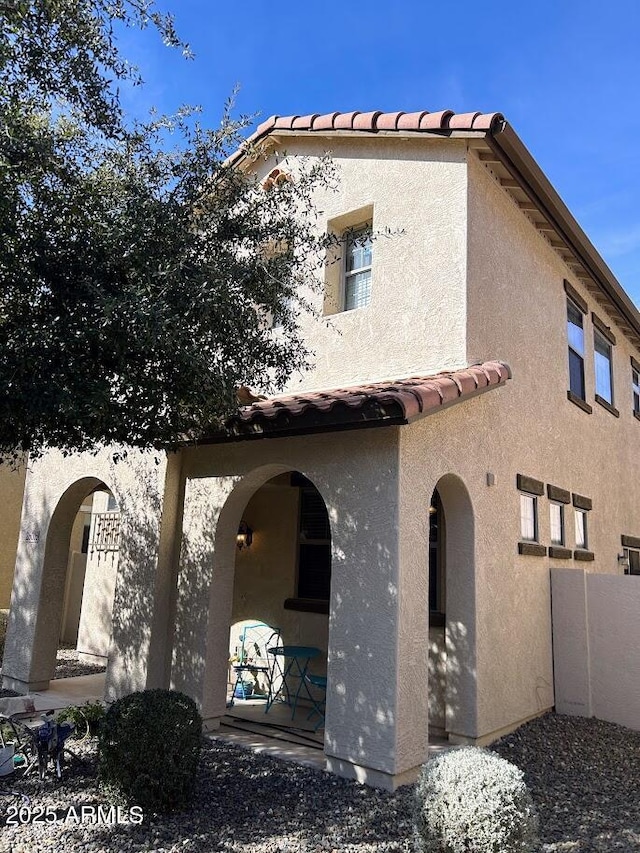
[350,236]
[526,498]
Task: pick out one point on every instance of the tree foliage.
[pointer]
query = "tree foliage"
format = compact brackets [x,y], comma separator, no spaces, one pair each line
[138,267]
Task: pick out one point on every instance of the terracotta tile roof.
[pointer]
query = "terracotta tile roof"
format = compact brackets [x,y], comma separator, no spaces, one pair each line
[515,165]
[377,404]
[376,121]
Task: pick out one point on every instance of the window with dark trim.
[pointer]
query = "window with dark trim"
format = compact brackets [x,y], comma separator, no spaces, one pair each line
[603,367]
[556,519]
[528,518]
[582,534]
[575,336]
[635,385]
[314,545]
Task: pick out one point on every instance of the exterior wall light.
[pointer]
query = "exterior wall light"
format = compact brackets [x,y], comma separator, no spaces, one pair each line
[245,536]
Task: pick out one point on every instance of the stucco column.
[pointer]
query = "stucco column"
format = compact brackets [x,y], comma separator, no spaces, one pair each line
[202,616]
[363,699]
[140,492]
[412,735]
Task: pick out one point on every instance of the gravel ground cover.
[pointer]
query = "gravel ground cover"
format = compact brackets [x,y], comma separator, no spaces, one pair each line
[584,776]
[68,664]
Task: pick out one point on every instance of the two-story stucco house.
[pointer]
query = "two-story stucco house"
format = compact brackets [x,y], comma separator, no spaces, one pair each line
[469,424]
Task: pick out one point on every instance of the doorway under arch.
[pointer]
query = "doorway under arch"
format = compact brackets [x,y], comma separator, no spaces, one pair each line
[452,642]
[283,579]
[79,572]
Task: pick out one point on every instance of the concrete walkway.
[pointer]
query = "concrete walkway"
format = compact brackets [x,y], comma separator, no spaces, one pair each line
[63,692]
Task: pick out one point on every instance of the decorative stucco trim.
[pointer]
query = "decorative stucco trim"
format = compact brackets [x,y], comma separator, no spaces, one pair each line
[555,493]
[602,327]
[559,553]
[584,556]
[580,502]
[529,484]
[579,402]
[606,405]
[573,294]
[630,541]
[531,549]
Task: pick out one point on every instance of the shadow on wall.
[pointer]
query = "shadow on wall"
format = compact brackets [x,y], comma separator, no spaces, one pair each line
[37,602]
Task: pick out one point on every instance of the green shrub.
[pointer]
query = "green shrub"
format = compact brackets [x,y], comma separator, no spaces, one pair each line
[149,746]
[86,718]
[470,800]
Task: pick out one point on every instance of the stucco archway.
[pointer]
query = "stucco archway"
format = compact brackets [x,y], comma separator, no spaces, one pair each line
[37,609]
[257,581]
[453,645]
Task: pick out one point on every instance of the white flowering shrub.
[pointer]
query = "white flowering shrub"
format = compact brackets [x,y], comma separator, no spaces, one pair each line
[470,800]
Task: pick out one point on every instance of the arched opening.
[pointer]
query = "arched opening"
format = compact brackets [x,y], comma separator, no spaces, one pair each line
[452,630]
[282,580]
[437,617]
[74,617]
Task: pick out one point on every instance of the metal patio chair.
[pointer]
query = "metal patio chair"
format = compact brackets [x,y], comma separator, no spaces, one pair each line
[254,666]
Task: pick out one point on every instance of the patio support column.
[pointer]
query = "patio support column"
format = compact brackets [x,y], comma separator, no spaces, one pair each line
[201,638]
[365,715]
[140,496]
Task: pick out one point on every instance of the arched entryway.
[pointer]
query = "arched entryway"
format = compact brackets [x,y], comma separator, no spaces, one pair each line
[73,605]
[452,641]
[282,578]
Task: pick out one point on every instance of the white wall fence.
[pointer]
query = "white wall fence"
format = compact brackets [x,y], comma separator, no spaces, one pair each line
[596,645]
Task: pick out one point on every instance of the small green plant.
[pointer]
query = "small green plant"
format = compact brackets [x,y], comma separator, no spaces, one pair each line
[149,747]
[86,718]
[470,800]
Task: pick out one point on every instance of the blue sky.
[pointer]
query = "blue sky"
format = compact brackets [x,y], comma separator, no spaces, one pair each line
[565,73]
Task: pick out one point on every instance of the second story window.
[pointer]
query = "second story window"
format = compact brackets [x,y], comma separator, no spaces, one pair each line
[635,383]
[575,335]
[357,271]
[602,357]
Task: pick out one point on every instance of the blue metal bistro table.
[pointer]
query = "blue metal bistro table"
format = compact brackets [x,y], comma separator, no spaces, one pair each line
[291,664]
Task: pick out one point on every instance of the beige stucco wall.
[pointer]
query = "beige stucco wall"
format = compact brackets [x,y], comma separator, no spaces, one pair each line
[11,492]
[55,488]
[596,636]
[357,475]
[464,277]
[416,319]
[517,313]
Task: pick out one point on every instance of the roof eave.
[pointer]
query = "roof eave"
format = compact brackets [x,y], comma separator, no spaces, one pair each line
[516,157]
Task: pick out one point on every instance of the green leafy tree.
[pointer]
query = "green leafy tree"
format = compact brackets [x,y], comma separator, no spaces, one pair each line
[138,267]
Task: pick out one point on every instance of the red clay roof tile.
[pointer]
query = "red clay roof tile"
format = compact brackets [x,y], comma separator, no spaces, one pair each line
[375,121]
[409,398]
